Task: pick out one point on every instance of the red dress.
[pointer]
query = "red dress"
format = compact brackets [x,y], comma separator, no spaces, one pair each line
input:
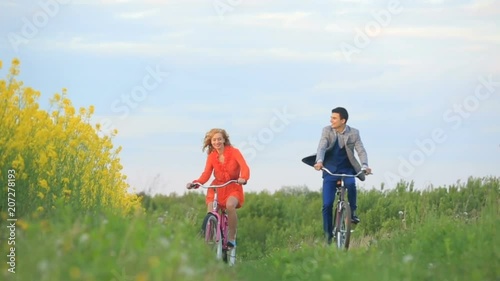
[233,167]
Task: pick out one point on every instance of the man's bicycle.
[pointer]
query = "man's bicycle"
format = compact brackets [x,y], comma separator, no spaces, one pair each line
[215,227]
[342,217]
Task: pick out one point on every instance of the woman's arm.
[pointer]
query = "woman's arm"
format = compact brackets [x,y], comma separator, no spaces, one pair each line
[244,169]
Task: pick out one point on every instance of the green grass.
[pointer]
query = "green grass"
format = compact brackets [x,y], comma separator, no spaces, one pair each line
[439,249]
[163,244]
[113,248]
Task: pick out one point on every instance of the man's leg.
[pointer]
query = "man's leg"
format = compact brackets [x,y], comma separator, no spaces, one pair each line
[232,219]
[328,199]
[352,197]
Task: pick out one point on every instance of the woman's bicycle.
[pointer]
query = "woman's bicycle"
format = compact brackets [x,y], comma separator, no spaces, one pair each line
[215,227]
[342,217]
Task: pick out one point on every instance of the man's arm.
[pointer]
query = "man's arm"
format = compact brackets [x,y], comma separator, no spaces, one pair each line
[323,144]
[361,151]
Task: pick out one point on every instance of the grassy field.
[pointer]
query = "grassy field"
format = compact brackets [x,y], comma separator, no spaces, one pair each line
[164,245]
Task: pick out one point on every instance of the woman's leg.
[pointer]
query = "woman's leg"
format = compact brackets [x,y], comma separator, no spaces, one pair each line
[231,204]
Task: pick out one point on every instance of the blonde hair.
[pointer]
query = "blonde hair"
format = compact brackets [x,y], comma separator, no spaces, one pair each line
[207,142]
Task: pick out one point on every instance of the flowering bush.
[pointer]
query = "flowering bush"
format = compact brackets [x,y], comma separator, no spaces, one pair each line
[58,157]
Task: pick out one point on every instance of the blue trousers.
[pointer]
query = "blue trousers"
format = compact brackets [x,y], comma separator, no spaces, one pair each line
[329,190]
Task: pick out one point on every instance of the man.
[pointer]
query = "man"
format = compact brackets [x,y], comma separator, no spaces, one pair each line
[336,153]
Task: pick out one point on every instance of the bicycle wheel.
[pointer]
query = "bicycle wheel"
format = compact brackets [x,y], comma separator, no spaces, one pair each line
[228,255]
[343,226]
[211,237]
[231,256]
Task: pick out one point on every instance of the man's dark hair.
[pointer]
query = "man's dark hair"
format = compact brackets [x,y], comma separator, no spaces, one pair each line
[342,112]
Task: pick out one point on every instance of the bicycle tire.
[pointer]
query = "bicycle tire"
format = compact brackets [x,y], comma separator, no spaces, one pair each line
[211,239]
[228,255]
[224,246]
[343,226]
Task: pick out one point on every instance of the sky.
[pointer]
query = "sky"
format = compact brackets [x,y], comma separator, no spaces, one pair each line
[420,79]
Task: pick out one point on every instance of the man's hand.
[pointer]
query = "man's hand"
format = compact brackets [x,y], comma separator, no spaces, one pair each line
[242,181]
[318,166]
[191,185]
[368,171]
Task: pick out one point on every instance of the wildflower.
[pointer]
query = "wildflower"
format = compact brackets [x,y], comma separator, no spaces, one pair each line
[143,276]
[22,224]
[67,193]
[153,261]
[57,97]
[74,272]
[407,258]
[83,238]
[43,266]
[43,184]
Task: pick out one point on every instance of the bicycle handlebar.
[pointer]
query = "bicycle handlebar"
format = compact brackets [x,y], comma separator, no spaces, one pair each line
[213,186]
[363,171]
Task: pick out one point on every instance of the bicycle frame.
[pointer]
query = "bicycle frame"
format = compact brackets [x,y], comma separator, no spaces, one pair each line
[221,235]
[342,225]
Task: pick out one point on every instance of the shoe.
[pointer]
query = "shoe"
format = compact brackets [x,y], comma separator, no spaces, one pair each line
[231,244]
[355,219]
[329,239]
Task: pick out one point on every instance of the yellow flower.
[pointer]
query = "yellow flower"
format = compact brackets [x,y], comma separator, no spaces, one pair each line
[40,195]
[22,224]
[74,272]
[67,192]
[14,69]
[153,261]
[42,159]
[43,184]
[60,146]
[143,276]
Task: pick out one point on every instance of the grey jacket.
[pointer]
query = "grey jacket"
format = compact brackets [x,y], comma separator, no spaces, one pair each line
[351,140]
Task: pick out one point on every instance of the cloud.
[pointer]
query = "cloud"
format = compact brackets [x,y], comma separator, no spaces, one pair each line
[443,32]
[165,49]
[136,15]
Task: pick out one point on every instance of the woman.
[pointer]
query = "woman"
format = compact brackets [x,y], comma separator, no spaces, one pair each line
[227,163]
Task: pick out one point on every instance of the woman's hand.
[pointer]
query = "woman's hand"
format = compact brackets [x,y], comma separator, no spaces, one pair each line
[242,181]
